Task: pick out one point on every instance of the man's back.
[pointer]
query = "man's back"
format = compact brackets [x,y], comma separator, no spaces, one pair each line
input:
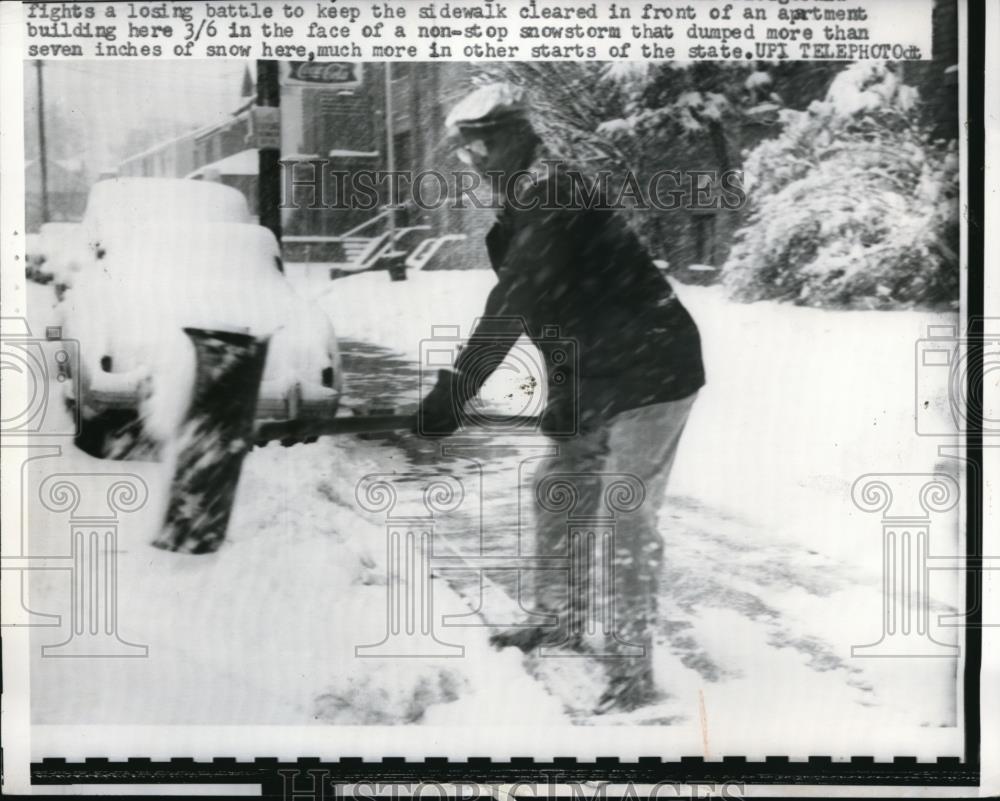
[584,271]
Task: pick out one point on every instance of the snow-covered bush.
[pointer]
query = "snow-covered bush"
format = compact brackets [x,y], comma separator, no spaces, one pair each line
[852,204]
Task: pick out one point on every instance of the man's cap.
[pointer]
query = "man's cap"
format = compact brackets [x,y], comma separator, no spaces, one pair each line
[489,106]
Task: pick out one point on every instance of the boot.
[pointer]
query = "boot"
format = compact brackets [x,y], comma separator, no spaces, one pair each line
[528,639]
[630,687]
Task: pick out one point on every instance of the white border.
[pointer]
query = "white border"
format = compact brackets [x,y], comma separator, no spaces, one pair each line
[989,702]
[16,673]
[21,743]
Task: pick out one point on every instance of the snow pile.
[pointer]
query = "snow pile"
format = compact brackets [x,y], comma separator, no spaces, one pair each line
[265,630]
[852,204]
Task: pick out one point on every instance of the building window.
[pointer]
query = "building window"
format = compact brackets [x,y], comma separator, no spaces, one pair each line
[402,144]
[704,238]
[340,122]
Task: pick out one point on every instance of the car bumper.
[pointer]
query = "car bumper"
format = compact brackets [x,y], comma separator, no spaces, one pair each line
[305,399]
[114,391]
[275,402]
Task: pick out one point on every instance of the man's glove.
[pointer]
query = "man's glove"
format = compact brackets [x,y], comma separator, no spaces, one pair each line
[439,413]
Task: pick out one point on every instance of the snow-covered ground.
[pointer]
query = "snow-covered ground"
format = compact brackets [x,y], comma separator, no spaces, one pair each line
[772,569]
[772,573]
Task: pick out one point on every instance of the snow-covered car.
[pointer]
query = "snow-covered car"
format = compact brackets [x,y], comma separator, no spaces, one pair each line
[148,282]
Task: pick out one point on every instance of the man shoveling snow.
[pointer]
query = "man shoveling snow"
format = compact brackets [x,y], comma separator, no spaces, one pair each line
[579,277]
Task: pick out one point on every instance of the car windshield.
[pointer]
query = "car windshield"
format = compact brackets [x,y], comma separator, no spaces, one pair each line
[167,201]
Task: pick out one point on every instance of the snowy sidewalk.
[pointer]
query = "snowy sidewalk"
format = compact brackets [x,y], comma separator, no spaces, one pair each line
[771,573]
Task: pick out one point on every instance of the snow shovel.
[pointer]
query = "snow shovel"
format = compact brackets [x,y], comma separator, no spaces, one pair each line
[215,436]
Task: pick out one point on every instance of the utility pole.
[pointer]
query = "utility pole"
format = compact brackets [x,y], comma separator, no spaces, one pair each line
[390,148]
[268,146]
[43,161]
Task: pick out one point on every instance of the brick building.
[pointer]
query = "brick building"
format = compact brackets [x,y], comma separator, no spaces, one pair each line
[343,129]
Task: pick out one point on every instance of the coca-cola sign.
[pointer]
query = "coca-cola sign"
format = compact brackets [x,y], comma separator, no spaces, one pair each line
[342,74]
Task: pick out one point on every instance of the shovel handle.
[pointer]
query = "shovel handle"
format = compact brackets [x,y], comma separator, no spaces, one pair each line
[298,430]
